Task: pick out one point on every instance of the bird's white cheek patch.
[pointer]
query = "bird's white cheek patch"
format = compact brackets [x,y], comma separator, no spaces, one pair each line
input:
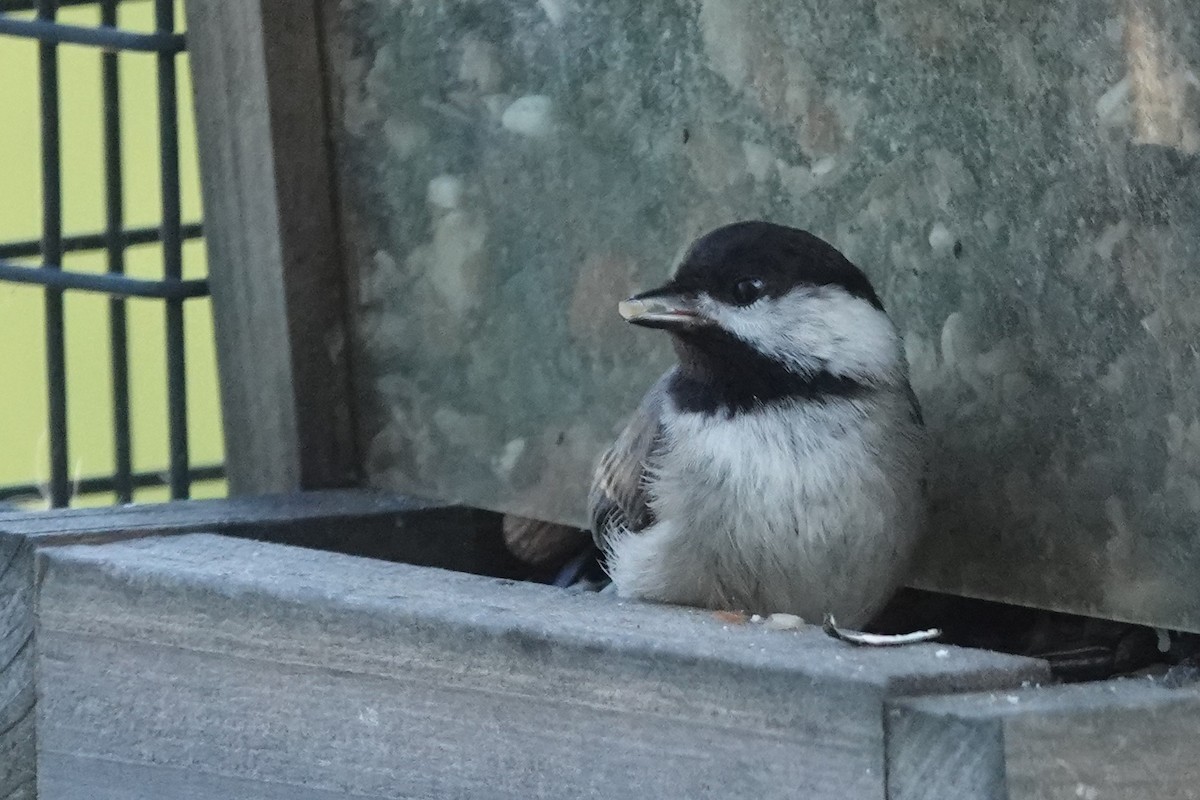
[814,327]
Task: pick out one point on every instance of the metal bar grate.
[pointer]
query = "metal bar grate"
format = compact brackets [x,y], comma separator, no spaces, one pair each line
[29,5]
[56,353]
[96,241]
[46,30]
[172,243]
[172,290]
[96,485]
[114,245]
[114,284]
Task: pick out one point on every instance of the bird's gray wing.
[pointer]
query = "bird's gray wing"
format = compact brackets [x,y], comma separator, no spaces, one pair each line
[618,499]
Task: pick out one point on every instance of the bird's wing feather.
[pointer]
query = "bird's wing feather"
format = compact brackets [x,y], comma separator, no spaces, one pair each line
[914,406]
[619,500]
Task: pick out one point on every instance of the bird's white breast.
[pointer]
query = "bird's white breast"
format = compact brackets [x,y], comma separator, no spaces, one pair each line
[806,508]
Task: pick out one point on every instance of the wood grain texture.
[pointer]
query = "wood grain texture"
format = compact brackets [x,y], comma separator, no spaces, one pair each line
[355,521]
[288,508]
[1116,739]
[272,244]
[17,744]
[266,515]
[352,521]
[936,755]
[267,671]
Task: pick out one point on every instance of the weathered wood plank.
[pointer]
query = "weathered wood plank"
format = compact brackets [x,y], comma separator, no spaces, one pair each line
[198,659]
[351,521]
[111,781]
[1117,739]
[16,773]
[272,245]
[17,745]
[270,509]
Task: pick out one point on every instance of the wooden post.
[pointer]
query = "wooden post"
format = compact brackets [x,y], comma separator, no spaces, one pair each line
[272,243]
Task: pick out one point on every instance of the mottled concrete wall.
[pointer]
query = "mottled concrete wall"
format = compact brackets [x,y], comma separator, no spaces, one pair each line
[1019,178]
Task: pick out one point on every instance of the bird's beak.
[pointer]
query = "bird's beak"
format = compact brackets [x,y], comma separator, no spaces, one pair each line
[663,308]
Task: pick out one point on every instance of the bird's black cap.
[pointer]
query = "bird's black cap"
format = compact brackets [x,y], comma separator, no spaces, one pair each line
[782,257]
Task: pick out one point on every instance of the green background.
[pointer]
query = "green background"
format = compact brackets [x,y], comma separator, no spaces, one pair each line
[23,432]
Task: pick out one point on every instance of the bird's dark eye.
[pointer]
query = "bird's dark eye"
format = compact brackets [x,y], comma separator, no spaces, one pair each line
[747,290]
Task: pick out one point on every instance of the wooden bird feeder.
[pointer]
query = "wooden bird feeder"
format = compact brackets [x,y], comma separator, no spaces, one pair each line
[420,217]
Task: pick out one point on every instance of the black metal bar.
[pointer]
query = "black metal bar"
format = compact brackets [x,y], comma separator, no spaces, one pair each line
[172,244]
[56,359]
[118,331]
[97,485]
[29,5]
[56,279]
[96,241]
[46,31]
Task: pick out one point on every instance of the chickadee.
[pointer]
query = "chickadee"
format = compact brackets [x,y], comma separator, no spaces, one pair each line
[778,466]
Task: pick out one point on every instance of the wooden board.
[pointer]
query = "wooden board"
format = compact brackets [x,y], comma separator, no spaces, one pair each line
[17,746]
[1118,739]
[200,666]
[355,521]
[272,245]
[361,522]
[75,525]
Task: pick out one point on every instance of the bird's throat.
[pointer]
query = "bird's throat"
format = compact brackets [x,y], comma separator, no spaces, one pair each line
[721,374]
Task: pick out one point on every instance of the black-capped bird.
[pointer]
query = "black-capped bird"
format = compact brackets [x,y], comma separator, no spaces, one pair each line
[778,466]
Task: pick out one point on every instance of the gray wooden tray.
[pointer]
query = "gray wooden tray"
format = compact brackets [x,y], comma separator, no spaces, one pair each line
[205,666]
[144,659]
